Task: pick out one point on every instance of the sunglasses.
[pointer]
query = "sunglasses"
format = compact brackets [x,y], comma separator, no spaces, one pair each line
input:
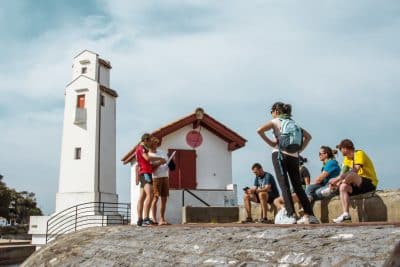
[321,153]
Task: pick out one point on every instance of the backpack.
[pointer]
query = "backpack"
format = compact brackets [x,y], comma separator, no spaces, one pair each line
[291,136]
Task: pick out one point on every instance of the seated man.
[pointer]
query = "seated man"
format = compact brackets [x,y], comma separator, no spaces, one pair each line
[361,177]
[264,191]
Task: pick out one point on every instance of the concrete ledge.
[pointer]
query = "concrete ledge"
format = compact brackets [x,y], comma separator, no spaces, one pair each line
[13,254]
[210,214]
[383,206]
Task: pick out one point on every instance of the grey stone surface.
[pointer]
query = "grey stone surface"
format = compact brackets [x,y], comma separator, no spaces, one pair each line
[221,246]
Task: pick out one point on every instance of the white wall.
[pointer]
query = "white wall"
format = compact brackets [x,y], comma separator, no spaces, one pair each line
[77,175]
[91,66]
[108,145]
[104,76]
[213,171]
[214,161]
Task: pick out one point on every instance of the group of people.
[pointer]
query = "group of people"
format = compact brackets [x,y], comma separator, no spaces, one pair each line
[356,176]
[152,175]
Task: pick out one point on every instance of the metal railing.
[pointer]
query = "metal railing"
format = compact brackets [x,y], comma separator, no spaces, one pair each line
[87,215]
[194,195]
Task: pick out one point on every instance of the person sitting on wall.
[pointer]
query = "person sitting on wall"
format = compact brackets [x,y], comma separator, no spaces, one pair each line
[319,189]
[264,191]
[359,179]
[304,173]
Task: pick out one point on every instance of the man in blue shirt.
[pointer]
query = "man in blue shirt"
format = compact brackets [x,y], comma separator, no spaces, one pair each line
[263,191]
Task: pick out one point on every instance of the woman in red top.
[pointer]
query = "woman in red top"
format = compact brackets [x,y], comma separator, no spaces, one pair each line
[144,177]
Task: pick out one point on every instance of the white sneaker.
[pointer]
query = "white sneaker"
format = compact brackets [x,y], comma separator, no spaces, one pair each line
[279,216]
[288,219]
[311,219]
[345,217]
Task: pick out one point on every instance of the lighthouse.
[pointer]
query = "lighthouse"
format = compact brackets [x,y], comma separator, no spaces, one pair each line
[88,148]
[88,165]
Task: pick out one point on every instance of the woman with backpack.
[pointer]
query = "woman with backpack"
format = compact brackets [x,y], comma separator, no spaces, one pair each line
[289,141]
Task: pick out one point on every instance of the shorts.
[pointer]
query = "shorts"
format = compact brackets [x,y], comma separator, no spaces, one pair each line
[365,187]
[161,187]
[270,199]
[145,178]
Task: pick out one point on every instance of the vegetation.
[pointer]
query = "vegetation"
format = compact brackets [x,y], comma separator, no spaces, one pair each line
[15,206]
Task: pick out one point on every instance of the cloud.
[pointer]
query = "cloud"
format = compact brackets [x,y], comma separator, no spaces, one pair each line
[335,61]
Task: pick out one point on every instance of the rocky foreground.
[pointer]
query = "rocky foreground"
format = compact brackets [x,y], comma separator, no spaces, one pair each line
[230,245]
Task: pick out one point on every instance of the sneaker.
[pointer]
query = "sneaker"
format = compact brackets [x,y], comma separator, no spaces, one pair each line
[283,218]
[342,218]
[147,222]
[139,222]
[248,220]
[263,220]
[311,219]
[288,219]
[279,215]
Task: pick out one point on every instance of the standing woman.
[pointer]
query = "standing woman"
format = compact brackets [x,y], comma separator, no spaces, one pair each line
[286,167]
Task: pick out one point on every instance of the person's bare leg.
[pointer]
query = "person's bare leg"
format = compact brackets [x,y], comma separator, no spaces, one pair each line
[139,206]
[247,204]
[154,208]
[162,210]
[264,205]
[148,188]
[279,203]
[345,189]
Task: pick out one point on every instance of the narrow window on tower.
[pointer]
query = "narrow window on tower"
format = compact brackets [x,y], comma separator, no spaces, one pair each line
[80,101]
[102,100]
[84,70]
[78,152]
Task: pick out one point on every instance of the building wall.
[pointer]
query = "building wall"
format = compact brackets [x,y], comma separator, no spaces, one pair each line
[214,171]
[77,175]
[104,76]
[86,59]
[214,161]
[108,145]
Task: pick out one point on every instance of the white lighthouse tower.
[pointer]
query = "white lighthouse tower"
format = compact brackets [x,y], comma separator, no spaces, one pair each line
[88,150]
[87,167]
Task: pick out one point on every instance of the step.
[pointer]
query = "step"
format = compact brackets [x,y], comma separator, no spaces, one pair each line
[210,214]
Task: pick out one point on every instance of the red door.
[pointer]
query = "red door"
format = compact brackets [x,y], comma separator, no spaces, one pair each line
[184,175]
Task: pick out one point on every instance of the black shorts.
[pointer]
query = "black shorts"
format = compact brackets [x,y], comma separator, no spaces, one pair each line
[145,178]
[270,199]
[365,187]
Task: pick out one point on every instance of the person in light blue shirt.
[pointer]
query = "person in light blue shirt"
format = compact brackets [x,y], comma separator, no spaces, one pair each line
[330,169]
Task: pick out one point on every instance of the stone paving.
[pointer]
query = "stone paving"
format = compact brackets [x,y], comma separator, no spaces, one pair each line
[221,245]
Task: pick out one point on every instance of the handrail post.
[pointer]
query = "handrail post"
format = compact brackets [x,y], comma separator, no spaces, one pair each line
[183,197]
[128,209]
[47,229]
[102,214]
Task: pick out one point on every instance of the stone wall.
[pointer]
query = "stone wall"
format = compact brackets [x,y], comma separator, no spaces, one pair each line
[381,206]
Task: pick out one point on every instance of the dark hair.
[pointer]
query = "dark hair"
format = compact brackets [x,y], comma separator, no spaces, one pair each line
[282,108]
[345,143]
[302,160]
[146,137]
[256,165]
[331,152]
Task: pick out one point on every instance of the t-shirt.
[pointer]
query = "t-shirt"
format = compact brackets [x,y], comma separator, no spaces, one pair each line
[162,170]
[277,129]
[265,180]
[332,168]
[304,173]
[366,170]
[144,165]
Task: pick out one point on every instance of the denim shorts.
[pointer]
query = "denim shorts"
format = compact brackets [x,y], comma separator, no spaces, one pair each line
[145,178]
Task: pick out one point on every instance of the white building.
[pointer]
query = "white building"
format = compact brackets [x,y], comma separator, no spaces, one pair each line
[203,163]
[88,159]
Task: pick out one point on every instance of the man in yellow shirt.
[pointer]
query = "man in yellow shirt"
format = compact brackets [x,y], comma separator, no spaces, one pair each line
[358,177]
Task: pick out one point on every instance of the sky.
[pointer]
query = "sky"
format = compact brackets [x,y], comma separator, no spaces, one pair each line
[336,62]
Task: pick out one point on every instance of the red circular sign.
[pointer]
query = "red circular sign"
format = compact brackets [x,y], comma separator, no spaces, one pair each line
[194,139]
